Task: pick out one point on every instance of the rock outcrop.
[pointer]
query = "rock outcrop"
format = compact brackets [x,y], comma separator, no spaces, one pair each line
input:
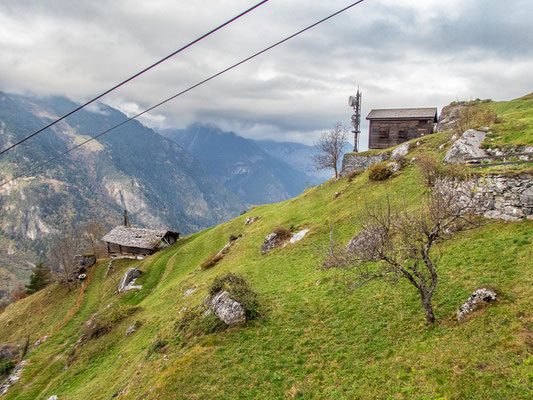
[400,152]
[298,236]
[128,279]
[226,309]
[479,296]
[13,377]
[467,146]
[354,162]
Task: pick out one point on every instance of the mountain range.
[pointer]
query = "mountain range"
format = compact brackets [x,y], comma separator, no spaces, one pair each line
[187,181]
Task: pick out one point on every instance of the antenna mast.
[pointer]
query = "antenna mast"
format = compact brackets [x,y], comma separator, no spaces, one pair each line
[355,103]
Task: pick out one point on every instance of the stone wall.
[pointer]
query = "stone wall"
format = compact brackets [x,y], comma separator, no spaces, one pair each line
[352,162]
[507,197]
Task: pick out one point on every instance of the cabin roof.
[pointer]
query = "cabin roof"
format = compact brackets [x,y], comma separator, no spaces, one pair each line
[136,237]
[404,113]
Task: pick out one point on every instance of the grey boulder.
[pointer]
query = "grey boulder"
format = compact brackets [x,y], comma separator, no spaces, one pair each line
[467,146]
[479,296]
[226,309]
[127,280]
[271,242]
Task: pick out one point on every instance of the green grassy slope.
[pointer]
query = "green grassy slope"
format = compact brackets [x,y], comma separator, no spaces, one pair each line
[313,339]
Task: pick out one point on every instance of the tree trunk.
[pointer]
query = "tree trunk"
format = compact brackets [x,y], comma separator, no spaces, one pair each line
[336,174]
[428,308]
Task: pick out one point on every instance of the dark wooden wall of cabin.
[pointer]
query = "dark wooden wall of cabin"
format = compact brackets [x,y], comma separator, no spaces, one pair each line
[389,133]
[129,251]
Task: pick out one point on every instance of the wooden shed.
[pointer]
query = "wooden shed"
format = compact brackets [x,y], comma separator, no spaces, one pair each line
[127,241]
[390,127]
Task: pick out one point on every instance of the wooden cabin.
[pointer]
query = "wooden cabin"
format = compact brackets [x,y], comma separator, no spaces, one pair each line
[137,242]
[390,127]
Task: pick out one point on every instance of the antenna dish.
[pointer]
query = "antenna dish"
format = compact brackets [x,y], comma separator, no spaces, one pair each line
[351,101]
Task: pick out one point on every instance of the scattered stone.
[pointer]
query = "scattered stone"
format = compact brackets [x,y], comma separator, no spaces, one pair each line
[298,236]
[251,220]
[394,166]
[54,397]
[317,282]
[479,296]
[227,310]
[418,143]
[467,146]
[355,242]
[400,152]
[337,194]
[131,329]
[442,146]
[13,377]
[128,279]
[189,291]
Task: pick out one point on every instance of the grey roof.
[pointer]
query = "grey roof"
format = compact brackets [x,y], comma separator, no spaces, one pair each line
[136,237]
[404,113]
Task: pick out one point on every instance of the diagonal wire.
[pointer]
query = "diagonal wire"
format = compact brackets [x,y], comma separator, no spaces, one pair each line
[30,170]
[134,76]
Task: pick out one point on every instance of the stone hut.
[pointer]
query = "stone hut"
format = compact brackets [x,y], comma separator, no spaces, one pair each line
[127,241]
[391,127]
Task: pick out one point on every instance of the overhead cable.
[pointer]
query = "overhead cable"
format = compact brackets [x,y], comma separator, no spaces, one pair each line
[30,170]
[134,76]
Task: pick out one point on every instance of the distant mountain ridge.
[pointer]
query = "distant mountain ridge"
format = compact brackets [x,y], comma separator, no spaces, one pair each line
[244,166]
[133,167]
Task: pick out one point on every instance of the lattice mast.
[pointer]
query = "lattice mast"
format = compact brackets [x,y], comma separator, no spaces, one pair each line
[355,103]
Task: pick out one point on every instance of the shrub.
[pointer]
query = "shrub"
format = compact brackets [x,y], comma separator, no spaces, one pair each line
[283,233]
[430,168]
[471,116]
[239,290]
[98,328]
[195,323]
[6,367]
[212,261]
[116,315]
[156,346]
[380,171]
[352,175]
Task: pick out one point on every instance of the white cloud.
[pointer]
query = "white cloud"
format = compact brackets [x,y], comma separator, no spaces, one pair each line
[402,53]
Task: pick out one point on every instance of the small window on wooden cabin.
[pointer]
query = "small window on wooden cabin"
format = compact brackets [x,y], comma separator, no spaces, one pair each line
[402,133]
[383,133]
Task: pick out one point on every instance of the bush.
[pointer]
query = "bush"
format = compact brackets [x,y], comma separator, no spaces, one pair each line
[97,328]
[116,315]
[283,233]
[352,175]
[212,261]
[195,323]
[380,171]
[470,116]
[6,367]
[430,168]
[156,346]
[239,290]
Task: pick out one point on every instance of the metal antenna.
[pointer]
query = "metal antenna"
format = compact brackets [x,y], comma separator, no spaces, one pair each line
[355,103]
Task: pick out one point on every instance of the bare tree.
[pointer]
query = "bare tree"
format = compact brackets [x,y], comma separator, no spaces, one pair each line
[65,245]
[330,148]
[92,232]
[404,244]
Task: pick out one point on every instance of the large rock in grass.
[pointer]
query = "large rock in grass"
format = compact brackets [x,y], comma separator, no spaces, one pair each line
[479,297]
[467,146]
[226,309]
[6,354]
[271,242]
[128,279]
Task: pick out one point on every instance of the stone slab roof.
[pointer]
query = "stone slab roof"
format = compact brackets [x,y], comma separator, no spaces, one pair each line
[404,113]
[136,237]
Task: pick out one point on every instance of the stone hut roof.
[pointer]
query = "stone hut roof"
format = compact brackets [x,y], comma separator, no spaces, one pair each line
[404,113]
[136,237]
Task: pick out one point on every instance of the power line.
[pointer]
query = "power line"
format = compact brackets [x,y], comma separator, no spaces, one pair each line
[181,93]
[135,76]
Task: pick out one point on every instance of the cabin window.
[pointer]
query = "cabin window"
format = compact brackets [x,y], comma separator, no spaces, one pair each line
[402,133]
[383,133]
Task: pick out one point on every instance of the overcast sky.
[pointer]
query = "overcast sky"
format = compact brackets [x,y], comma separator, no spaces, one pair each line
[402,53]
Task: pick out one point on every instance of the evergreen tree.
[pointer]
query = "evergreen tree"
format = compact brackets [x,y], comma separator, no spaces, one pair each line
[40,278]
